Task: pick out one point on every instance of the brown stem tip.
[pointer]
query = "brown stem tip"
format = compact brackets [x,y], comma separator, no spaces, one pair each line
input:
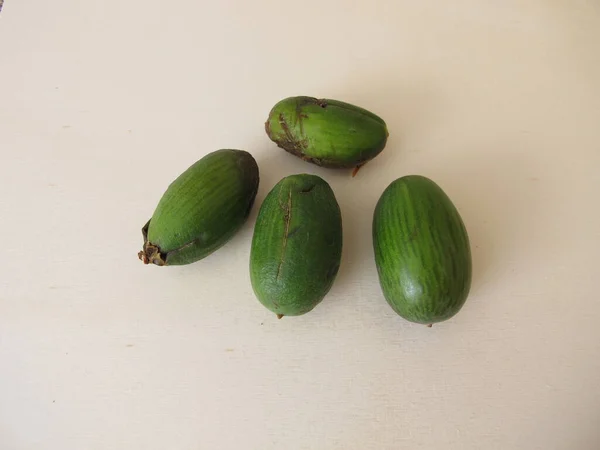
[279,316]
[151,254]
[356,169]
[143,258]
[430,325]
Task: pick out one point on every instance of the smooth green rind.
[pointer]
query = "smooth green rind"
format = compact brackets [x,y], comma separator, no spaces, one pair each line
[422,251]
[202,209]
[297,245]
[326,132]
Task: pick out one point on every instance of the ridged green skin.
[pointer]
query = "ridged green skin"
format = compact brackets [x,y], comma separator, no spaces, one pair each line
[297,245]
[326,132]
[422,251]
[202,209]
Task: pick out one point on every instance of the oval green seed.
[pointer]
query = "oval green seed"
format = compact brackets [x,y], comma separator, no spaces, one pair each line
[326,132]
[202,209]
[422,251]
[297,245]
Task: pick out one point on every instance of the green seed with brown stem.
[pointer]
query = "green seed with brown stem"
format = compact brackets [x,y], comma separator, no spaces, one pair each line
[202,209]
[326,132]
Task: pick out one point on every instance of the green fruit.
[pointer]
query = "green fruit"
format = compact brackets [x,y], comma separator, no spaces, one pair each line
[326,132]
[202,209]
[422,251]
[297,245]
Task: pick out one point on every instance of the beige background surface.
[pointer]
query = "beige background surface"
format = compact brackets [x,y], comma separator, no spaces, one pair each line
[103,103]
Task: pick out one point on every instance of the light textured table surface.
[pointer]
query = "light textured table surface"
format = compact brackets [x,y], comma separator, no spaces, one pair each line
[102,104]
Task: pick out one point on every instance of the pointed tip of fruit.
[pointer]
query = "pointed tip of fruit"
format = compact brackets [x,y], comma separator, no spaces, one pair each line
[280,316]
[429,325]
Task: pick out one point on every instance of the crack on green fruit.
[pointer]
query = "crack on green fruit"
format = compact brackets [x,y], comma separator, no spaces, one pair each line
[312,101]
[297,147]
[287,218]
[288,141]
[299,117]
[285,127]
[306,190]
[185,246]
